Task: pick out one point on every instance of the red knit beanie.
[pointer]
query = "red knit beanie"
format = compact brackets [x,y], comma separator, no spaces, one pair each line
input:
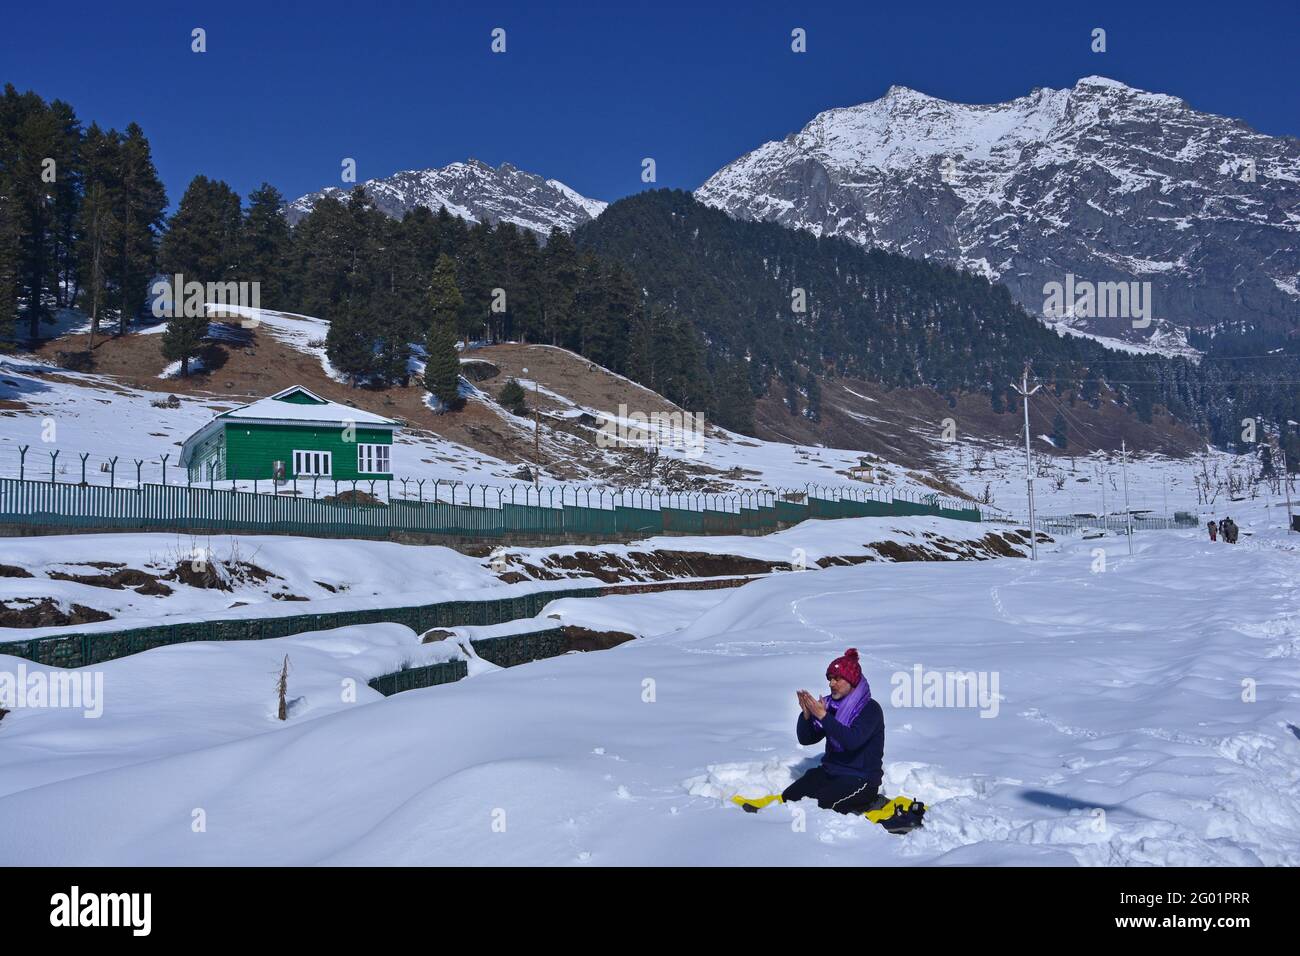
[846,667]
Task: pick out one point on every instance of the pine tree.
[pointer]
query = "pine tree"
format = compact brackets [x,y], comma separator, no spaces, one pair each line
[814,410]
[265,250]
[97,225]
[1060,435]
[442,366]
[513,397]
[65,202]
[8,266]
[348,344]
[734,398]
[322,255]
[444,300]
[560,272]
[138,215]
[38,156]
[202,244]
[472,280]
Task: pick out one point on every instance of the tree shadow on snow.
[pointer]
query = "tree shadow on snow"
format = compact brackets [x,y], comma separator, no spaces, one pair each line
[1056,801]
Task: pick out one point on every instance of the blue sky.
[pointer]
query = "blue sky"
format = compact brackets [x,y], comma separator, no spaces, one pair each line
[584,91]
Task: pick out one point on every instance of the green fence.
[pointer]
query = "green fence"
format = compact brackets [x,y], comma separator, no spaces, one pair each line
[509,650]
[513,649]
[51,505]
[1068,524]
[79,650]
[413,678]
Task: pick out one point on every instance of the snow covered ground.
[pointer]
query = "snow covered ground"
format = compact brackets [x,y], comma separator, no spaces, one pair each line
[1094,483]
[1142,714]
[284,575]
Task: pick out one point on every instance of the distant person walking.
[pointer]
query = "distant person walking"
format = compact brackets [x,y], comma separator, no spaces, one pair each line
[1214,530]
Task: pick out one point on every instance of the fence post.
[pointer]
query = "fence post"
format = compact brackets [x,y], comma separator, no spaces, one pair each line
[54,457]
[419,488]
[22,461]
[139,462]
[84,456]
[164,467]
[112,472]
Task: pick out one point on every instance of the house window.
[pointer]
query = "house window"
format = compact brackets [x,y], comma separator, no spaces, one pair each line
[313,463]
[374,459]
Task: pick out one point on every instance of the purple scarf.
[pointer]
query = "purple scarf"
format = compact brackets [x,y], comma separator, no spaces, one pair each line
[846,709]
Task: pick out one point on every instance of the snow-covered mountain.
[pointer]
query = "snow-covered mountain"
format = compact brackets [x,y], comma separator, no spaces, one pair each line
[475,191]
[1102,181]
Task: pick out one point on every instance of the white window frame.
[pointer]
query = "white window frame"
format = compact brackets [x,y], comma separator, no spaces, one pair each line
[305,459]
[373,457]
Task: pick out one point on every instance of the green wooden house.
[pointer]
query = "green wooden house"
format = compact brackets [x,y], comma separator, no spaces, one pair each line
[292,434]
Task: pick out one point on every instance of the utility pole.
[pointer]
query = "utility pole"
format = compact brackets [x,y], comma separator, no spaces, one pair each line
[1290,521]
[1128,514]
[1024,391]
[537,439]
[1104,475]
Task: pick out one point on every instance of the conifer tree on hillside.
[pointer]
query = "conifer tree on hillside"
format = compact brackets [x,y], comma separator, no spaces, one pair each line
[814,390]
[734,397]
[322,256]
[348,343]
[444,307]
[513,397]
[202,244]
[1060,433]
[97,225]
[442,366]
[560,272]
[66,202]
[8,267]
[474,267]
[138,207]
[38,160]
[444,300]
[265,247]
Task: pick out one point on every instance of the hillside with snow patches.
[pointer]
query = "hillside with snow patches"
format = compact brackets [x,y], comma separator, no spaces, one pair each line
[130,418]
[135,418]
[1107,725]
[475,191]
[1104,181]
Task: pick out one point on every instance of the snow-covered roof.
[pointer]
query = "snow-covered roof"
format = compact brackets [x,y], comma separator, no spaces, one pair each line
[277,409]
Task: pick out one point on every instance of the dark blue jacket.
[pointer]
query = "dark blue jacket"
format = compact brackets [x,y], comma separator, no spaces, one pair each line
[863,742]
